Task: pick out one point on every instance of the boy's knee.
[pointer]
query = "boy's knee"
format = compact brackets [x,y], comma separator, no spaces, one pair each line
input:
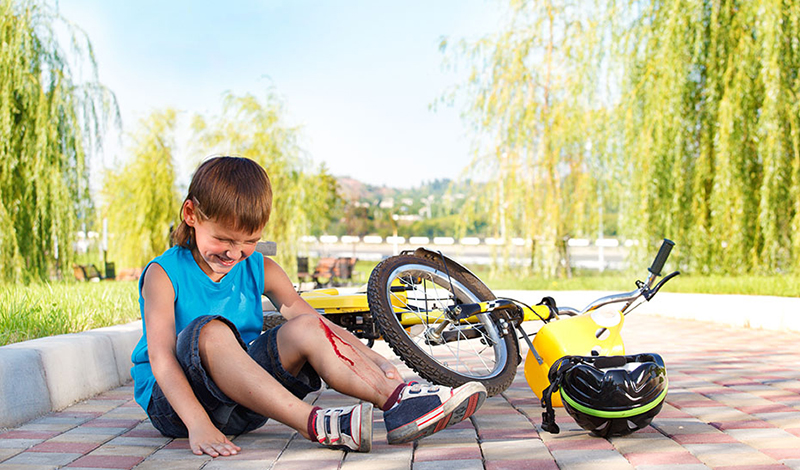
[305,321]
[216,331]
[301,327]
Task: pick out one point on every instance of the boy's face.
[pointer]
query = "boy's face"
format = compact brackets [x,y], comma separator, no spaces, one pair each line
[218,247]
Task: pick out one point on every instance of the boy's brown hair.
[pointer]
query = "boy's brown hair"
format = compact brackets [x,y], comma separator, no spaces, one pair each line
[230,190]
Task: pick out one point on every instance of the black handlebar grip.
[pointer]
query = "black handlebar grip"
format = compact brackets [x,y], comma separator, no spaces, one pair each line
[661,257]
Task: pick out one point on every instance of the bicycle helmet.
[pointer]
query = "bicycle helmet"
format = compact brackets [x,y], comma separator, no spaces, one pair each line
[607,395]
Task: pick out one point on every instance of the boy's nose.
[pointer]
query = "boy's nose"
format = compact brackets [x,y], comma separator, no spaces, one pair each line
[233,253]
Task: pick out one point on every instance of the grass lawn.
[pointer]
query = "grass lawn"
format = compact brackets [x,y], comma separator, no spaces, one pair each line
[37,310]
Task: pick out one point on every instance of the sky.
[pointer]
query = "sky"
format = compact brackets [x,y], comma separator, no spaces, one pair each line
[358,76]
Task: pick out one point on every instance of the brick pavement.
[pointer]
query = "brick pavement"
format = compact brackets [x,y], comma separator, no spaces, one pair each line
[734,403]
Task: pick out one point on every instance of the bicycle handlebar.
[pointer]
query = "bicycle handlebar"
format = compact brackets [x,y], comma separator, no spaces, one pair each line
[644,288]
[661,257]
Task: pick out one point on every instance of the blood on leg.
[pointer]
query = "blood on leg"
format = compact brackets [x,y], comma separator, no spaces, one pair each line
[335,341]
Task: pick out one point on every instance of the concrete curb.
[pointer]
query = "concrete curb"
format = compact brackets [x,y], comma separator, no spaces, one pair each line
[47,374]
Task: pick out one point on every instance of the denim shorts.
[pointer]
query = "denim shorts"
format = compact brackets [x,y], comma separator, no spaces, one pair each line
[227,415]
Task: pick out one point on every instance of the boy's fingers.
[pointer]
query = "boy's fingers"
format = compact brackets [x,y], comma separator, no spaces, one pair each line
[210,450]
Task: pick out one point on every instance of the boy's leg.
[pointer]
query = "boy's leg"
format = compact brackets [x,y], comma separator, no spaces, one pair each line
[246,382]
[306,339]
[261,384]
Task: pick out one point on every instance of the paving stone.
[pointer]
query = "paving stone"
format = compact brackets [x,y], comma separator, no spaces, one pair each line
[302,449]
[7,453]
[528,449]
[304,465]
[42,458]
[382,464]
[175,465]
[256,441]
[224,463]
[139,441]
[782,420]
[57,428]
[382,453]
[507,434]
[64,447]
[7,466]
[19,443]
[176,454]
[449,436]
[475,464]
[674,467]
[782,453]
[107,461]
[737,458]
[457,452]
[127,451]
[531,464]
[681,457]
[794,464]
[583,459]
[98,430]
[645,442]
[79,436]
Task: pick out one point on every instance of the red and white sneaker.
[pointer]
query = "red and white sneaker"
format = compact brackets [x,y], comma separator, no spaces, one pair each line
[422,410]
[348,427]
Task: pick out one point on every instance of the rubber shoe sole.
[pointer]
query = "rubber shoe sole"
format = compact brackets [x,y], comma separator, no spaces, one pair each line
[464,402]
[365,444]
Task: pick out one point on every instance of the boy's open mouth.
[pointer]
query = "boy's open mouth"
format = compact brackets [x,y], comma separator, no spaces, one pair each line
[226,261]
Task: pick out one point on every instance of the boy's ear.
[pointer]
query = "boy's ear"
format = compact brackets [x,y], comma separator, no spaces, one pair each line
[189,213]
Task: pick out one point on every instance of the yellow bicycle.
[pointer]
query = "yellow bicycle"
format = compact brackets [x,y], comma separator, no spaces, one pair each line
[448,326]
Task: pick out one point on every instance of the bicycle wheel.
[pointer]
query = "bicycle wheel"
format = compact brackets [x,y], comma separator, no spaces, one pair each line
[408,294]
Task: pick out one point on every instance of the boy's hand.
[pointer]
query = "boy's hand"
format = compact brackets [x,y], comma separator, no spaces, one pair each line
[209,440]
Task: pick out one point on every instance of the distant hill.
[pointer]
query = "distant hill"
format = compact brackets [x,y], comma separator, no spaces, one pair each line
[354,190]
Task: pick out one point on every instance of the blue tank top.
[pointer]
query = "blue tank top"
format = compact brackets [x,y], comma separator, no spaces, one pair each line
[237,297]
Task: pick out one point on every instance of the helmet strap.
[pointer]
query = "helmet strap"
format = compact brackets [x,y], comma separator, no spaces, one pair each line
[556,376]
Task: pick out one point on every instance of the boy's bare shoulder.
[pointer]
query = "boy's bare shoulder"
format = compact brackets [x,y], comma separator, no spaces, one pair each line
[156,281]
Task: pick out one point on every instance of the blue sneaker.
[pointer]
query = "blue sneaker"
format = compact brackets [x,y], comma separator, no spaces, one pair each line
[348,427]
[423,410]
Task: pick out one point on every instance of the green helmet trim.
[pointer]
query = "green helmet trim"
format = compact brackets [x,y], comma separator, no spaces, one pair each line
[613,414]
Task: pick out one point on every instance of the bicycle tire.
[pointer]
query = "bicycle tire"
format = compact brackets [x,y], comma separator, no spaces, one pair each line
[497,354]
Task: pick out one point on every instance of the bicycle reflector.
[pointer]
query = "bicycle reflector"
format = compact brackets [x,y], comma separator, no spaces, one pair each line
[607,395]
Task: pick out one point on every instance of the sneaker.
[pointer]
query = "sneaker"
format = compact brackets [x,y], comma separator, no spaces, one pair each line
[423,410]
[348,427]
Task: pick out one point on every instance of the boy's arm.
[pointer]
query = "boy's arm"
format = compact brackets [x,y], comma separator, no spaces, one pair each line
[159,317]
[278,287]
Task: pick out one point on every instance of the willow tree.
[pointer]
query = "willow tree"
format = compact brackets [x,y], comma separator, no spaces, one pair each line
[709,119]
[48,120]
[141,201]
[256,129]
[533,104]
